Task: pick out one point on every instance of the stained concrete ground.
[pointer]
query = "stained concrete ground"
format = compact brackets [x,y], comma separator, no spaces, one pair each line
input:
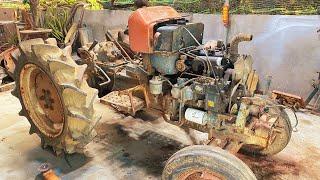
[137,148]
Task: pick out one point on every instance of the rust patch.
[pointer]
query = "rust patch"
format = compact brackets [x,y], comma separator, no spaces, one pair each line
[271,167]
[3,139]
[309,162]
[306,122]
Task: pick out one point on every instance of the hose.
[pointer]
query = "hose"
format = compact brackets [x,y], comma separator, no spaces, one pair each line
[234,44]
[294,128]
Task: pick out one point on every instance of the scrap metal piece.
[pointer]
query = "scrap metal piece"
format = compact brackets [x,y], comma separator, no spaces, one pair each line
[125,101]
[122,102]
[164,62]
[288,99]
[69,39]
[252,82]
[8,61]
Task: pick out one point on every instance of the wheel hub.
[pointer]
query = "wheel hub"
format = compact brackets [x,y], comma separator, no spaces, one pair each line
[48,101]
[201,175]
[42,100]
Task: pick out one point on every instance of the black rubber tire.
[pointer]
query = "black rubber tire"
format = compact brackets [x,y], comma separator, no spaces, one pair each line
[208,158]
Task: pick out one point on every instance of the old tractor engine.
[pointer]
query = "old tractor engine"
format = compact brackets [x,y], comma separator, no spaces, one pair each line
[165,66]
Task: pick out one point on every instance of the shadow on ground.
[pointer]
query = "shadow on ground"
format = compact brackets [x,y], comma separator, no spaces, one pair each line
[62,164]
[148,150]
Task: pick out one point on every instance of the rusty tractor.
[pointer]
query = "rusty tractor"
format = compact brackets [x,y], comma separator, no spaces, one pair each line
[159,63]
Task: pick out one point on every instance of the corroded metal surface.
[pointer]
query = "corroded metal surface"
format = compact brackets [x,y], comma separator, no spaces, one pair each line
[55,97]
[287,99]
[42,100]
[126,102]
[8,61]
[122,102]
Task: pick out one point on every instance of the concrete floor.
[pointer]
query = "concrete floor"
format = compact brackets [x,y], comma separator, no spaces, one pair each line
[128,148]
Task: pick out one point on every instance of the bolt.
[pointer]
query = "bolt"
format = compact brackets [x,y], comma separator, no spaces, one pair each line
[46,97]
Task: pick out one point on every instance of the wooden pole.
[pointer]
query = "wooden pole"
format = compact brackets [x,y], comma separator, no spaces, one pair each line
[34,5]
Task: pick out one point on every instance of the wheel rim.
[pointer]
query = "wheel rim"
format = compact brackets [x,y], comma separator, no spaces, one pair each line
[42,100]
[201,175]
[279,137]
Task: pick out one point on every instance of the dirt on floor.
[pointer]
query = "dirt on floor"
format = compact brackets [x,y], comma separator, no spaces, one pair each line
[137,148]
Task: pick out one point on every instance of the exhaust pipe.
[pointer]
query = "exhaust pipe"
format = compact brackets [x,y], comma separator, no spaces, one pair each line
[234,44]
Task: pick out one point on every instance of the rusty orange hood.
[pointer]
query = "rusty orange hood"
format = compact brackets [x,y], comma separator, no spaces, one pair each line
[141,26]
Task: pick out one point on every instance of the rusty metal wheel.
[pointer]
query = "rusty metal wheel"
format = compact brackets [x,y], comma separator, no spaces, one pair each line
[55,96]
[281,134]
[42,100]
[201,162]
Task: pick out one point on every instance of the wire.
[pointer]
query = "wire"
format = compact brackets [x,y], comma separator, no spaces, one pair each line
[232,93]
[295,129]
[208,61]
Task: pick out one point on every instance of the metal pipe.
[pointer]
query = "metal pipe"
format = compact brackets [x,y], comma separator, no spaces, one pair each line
[93,45]
[187,82]
[167,80]
[310,97]
[234,44]
[105,75]
[119,45]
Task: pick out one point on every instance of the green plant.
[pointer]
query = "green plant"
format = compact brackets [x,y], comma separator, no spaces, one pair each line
[92,4]
[16,5]
[55,19]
